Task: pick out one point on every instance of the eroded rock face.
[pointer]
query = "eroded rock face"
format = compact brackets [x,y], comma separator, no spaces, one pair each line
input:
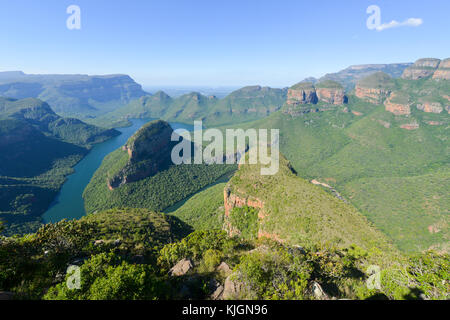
[231,201]
[422,68]
[443,72]
[431,107]
[397,108]
[410,126]
[233,289]
[331,95]
[181,268]
[318,292]
[372,95]
[302,94]
[149,151]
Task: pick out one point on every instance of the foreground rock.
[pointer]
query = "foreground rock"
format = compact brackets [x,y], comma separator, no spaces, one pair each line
[181,268]
[318,292]
[233,289]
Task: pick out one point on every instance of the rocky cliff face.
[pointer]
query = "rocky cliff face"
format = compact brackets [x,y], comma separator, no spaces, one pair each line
[423,68]
[398,105]
[373,95]
[443,72]
[306,93]
[432,107]
[235,201]
[302,93]
[374,88]
[332,95]
[148,151]
[332,92]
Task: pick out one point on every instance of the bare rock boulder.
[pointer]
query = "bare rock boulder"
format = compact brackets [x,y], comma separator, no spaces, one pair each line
[181,268]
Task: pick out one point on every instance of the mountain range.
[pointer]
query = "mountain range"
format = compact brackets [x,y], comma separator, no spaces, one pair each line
[363,182]
[72,95]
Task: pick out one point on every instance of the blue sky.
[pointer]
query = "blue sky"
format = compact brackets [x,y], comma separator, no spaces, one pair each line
[216,43]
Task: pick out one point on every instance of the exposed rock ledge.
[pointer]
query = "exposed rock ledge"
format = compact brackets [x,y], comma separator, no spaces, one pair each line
[395,107]
[432,107]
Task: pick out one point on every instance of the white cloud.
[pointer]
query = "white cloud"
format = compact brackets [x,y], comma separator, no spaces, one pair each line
[411,22]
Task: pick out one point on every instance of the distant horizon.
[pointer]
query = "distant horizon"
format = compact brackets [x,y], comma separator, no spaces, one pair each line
[217,43]
[209,86]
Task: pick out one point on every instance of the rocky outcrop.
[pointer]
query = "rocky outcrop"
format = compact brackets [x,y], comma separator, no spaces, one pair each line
[372,95]
[422,68]
[332,95]
[317,291]
[443,72]
[435,123]
[233,289]
[306,93]
[181,268]
[398,106]
[410,126]
[302,93]
[374,88]
[431,107]
[148,152]
[231,201]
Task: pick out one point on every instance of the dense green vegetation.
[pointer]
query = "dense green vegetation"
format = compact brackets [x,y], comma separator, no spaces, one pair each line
[147,176]
[390,174]
[299,213]
[202,211]
[38,148]
[245,220]
[131,261]
[246,104]
[39,114]
[79,96]
[157,192]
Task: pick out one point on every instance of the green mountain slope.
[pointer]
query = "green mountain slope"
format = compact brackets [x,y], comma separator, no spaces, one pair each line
[245,104]
[39,114]
[367,151]
[204,210]
[72,95]
[295,211]
[38,148]
[128,177]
